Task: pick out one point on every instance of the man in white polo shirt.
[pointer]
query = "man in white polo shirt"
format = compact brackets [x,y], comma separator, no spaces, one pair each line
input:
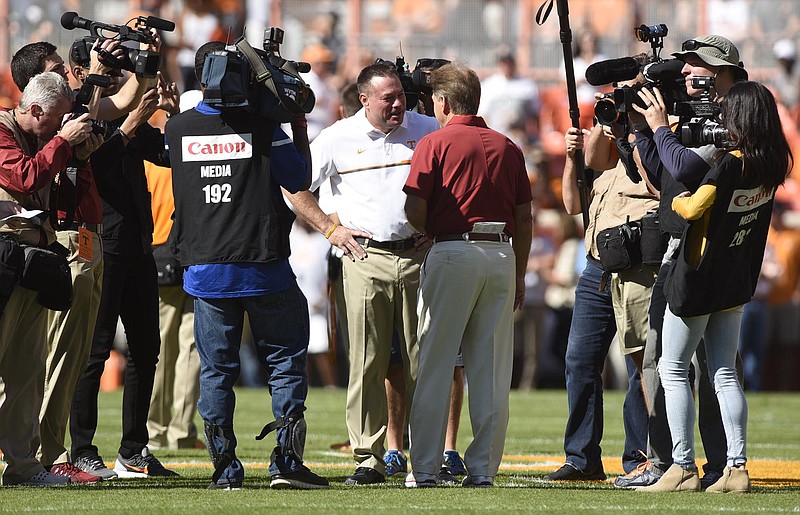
[366,158]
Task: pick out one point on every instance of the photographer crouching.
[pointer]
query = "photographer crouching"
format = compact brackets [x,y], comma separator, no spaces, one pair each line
[232,232]
[34,147]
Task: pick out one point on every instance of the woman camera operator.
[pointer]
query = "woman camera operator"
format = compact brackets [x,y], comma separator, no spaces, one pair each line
[715,274]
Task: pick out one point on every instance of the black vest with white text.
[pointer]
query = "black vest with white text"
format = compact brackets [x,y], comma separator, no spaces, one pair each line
[227,207]
[736,237]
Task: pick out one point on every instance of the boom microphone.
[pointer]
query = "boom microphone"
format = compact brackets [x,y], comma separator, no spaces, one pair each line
[664,71]
[160,24]
[612,70]
[70,20]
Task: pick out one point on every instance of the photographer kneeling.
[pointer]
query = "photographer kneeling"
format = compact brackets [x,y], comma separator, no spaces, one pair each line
[25,177]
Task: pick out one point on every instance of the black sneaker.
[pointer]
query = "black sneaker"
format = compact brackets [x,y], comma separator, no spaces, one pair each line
[365,476]
[142,464]
[444,477]
[300,479]
[709,478]
[568,472]
[225,484]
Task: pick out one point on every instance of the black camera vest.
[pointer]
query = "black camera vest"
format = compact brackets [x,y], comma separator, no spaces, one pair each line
[227,207]
[735,241]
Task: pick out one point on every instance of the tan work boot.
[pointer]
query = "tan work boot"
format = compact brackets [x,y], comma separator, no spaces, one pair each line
[675,479]
[733,480]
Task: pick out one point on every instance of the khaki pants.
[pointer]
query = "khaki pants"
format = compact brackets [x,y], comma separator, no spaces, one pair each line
[380,295]
[170,421]
[23,349]
[69,340]
[631,291]
[467,300]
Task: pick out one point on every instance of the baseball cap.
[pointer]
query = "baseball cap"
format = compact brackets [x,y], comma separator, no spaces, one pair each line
[714,51]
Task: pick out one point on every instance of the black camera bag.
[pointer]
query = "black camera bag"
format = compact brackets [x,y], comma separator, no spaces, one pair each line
[170,271]
[620,247]
[47,272]
[654,242]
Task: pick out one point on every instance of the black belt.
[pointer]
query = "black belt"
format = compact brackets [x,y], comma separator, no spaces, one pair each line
[74,226]
[472,236]
[394,245]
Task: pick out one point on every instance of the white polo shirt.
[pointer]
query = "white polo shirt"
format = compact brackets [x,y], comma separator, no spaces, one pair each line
[367,170]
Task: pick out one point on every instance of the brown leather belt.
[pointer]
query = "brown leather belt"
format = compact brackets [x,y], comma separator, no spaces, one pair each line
[393,245]
[472,236]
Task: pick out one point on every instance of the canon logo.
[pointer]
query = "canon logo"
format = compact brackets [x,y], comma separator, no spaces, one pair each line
[747,200]
[217,148]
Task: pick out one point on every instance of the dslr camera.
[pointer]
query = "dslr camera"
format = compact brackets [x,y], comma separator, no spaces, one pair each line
[665,74]
[141,62]
[259,81]
[416,83]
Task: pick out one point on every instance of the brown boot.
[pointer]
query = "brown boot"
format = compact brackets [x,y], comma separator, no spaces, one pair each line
[733,480]
[675,479]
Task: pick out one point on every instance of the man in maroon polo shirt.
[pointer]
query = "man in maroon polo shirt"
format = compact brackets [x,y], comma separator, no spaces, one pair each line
[469,191]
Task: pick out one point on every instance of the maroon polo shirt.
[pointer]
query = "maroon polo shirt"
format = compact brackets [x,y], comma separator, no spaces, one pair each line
[468,173]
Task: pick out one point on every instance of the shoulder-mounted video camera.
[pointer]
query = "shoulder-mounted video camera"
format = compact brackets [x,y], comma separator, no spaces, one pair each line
[141,62]
[259,81]
[665,74]
[416,83]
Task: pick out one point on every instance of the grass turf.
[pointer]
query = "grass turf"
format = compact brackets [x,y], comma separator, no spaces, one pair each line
[534,447]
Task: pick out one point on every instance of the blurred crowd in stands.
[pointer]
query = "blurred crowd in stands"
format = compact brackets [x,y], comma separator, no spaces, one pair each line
[524,95]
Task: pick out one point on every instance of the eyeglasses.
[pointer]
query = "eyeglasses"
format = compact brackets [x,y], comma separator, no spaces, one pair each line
[692,44]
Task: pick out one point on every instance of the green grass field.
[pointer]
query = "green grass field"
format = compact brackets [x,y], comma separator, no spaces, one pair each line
[533,448]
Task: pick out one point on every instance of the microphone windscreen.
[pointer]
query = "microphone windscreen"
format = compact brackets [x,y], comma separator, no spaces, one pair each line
[664,70]
[612,70]
[68,19]
[160,24]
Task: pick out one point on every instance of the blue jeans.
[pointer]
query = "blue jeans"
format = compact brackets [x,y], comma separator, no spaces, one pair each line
[279,322]
[591,332]
[720,331]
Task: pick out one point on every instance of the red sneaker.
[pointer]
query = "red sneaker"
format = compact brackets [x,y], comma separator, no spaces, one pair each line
[74,474]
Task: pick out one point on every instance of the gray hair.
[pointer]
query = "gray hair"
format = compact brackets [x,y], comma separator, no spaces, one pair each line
[45,89]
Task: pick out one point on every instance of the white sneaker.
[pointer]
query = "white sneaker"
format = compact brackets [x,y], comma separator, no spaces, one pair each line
[413,482]
[42,478]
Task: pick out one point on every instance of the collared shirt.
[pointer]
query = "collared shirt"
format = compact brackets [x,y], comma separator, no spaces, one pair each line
[468,173]
[367,169]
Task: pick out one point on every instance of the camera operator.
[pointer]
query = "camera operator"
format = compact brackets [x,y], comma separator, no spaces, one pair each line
[129,283]
[232,231]
[34,147]
[714,274]
[35,58]
[674,169]
[79,214]
[604,308]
